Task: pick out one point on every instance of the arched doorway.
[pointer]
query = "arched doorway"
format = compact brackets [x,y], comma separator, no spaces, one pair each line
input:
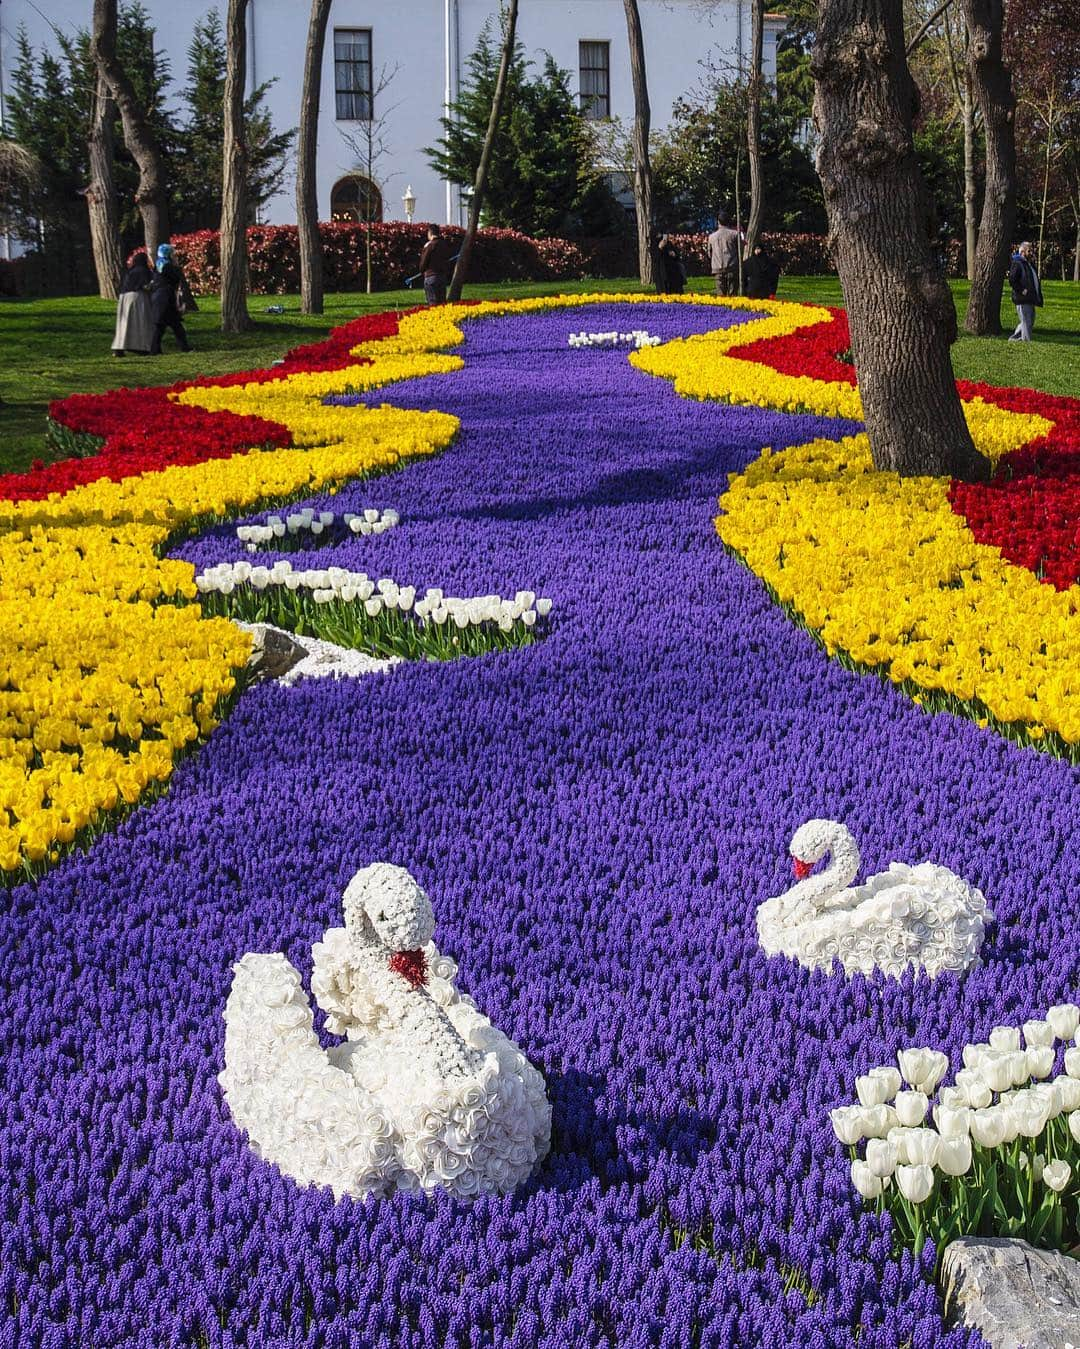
[355,199]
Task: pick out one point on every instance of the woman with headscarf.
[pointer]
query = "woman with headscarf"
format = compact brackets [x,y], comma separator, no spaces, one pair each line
[134,316]
[170,299]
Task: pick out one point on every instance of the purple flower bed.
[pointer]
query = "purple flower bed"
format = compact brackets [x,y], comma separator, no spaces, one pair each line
[596,819]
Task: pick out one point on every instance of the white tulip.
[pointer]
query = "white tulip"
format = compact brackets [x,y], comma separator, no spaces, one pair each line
[1074,1125]
[877,1120]
[974,1055]
[1068,1089]
[988,1127]
[1072,1062]
[1006,1038]
[373,607]
[529,617]
[846,1121]
[881,1157]
[922,1068]
[1064,1018]
[1037,1034]
[952,1123]
[970,1082]
[543,606]
[922,1147]
[1057,1175]
[955,1156]
[1018,1065]
[910,1107]
[1040,1061]
[324,595]
[996,1071]
[915,1182]
[292,581]
[1030,1119]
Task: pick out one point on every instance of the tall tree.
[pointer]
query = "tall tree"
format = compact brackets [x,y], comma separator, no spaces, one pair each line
[151,195]
[234,220]
[648,257]
[994,95]
[370,146]
[101,200]
[755,87]
[480,184]
[307,197]
[899,307]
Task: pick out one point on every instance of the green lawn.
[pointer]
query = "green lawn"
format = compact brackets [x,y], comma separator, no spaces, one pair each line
[56,347]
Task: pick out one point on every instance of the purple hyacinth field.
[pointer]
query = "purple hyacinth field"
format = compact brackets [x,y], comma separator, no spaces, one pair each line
[596,818]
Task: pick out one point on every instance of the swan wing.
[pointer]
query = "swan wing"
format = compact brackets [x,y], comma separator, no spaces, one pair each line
[299,1111]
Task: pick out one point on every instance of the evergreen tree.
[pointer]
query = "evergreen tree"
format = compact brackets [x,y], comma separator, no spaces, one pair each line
[199,165]
[542,179]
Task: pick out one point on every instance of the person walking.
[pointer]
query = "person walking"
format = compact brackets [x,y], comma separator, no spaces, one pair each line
[435,266]
[170,299]
[724,257]
[134,316]
[672,269]
[761,275]
[1026,291]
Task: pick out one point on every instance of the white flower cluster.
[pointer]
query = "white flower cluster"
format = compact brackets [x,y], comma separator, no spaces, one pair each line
[637,339]
[327,584]
[1003,1092]
[426,1092]
[311,523]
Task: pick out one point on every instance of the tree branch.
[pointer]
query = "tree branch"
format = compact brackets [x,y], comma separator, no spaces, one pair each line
[927,26]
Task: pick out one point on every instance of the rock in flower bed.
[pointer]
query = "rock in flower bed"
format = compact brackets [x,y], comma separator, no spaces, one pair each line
[600,813]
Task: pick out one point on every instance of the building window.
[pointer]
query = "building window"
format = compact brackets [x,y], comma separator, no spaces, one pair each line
[355,200]
[594,59]
[352,74]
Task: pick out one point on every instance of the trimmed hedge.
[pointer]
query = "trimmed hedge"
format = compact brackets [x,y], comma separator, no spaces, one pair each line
[498,255]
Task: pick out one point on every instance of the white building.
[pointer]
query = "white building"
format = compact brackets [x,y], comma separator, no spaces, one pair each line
[419,49]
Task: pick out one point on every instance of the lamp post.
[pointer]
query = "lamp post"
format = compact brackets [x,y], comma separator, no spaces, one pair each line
[467,194]
[409,202]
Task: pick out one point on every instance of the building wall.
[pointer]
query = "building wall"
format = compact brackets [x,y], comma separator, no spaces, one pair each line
[410,39]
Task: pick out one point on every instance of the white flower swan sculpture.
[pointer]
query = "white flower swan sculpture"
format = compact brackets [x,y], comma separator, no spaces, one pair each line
[424,1092]
[925,915]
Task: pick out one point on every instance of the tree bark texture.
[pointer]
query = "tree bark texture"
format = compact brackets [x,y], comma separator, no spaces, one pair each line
[648,255]
[480,182]
[150,195]
[994,96]
[101,195]
[753,125]
[899,307]
[971,228]
[307,198]
[234,277]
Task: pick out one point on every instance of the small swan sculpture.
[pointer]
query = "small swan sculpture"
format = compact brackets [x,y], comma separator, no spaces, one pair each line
[424,1092]
[925,915]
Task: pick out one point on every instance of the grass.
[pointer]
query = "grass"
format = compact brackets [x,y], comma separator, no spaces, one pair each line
[56,347]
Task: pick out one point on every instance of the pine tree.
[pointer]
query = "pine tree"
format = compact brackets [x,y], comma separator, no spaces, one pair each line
[199,164]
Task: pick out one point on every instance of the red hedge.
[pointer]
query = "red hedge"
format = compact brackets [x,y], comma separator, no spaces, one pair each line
[499,255]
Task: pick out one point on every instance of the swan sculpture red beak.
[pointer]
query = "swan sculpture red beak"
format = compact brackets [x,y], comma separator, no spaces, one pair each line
[802,869]
[411,965]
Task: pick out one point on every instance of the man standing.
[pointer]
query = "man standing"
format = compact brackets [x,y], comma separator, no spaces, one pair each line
[724,257]
[435,265]
[1026,291]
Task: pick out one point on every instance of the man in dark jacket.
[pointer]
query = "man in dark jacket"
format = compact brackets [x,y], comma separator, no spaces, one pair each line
[435,266]
[672,268]
[1026,291]
[170,298]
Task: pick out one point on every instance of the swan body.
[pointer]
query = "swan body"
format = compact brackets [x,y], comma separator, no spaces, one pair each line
[923,915]
[424,1092]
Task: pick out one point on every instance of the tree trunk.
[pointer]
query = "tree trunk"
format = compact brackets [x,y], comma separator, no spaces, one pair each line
[150,195]
[1046,169]
[307,197]
[234,279]
[648,257]
[899,306]
[480,183]
[971,236]
[753,126]
[101,195]
[994,95]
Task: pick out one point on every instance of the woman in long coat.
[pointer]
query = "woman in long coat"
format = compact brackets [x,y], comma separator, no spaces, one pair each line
[134,316]
[170,299]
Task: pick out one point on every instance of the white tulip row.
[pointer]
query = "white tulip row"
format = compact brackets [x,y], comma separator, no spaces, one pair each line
[336,583]
[901,1146]
[637,338]
[314,523]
